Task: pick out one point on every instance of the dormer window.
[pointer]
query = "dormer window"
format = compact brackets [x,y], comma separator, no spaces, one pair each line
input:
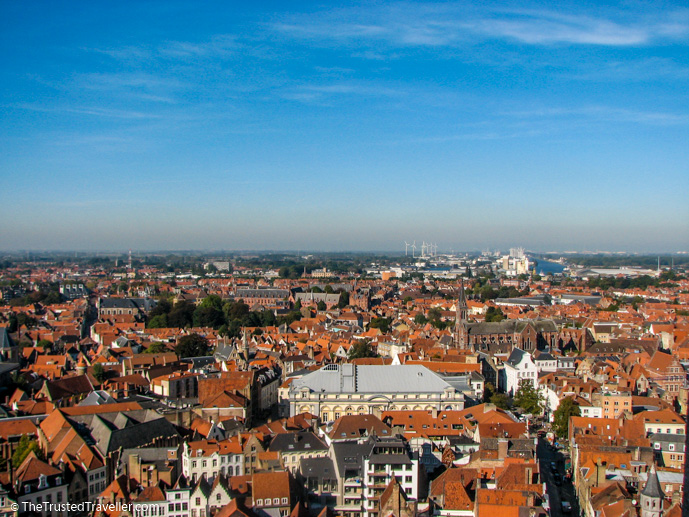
[42,481]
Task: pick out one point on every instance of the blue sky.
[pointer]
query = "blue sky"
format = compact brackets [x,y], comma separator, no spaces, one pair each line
[229,125]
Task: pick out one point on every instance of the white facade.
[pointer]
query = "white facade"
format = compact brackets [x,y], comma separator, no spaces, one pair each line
[520,367]
[150,509]
[211,458]
[178,502]
[377,475]
[347,389]
[97,482]
[44,494]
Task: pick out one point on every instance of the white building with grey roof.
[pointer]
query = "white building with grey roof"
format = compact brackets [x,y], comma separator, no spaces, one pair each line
[347,389]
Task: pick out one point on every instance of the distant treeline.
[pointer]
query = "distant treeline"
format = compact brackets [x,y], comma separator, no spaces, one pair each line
[645,261]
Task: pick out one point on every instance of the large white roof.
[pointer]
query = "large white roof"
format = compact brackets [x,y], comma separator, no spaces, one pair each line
[349,378]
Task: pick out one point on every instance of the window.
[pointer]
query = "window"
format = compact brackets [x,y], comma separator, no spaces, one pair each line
[217,497]
[259,502]
[198,501]
[284,500]
[276,500]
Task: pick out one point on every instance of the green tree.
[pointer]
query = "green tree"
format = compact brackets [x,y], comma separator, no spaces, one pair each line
[494,314]
[157,322]
[268,318]
[501,400]
[344,300]
[212,300]
[529,398]
[381,323]
[181,315]
[192,345]
[434,314]
[44,344]
[156,348]
[208,316]
[566,409]
[99,372]
[488,391]
[25,447]
[360,349]
[420,319]
[321,306]
[163,307]
[329,289]
[236,310]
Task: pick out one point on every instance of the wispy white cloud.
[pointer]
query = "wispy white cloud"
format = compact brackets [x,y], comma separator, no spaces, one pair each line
[605,113]
[321,94]
[89,110]
[641,70]
[219,45]
[436,25]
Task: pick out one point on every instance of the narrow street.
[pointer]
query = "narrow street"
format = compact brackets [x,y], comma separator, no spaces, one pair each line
[556,494]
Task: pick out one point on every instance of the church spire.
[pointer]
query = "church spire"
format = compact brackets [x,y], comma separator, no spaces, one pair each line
[461,318]
[652,496]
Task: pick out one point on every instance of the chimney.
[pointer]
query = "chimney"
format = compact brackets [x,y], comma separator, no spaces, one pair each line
[502,448]
[600,472]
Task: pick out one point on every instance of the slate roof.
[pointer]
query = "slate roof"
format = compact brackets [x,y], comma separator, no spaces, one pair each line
[297,442]
[321,468]
[511,326]
[349,378]
[349,456]
[5,339]
[515,357]
[144,304]
[652,488]
[135,429]
[68,387]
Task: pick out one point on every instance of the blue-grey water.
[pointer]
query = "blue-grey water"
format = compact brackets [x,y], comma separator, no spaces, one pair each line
[545,267]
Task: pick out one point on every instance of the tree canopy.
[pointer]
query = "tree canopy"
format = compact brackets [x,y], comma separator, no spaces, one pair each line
[529,398]
[25,447]
[192,345]
[566,409]
[360,349]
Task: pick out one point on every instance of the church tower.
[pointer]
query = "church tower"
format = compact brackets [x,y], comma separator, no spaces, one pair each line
[461,330]
[652,496]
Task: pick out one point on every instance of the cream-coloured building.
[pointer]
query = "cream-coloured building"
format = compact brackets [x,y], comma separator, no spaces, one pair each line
[347,389]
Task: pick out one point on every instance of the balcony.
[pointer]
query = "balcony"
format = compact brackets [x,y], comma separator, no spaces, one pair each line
[348,508]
